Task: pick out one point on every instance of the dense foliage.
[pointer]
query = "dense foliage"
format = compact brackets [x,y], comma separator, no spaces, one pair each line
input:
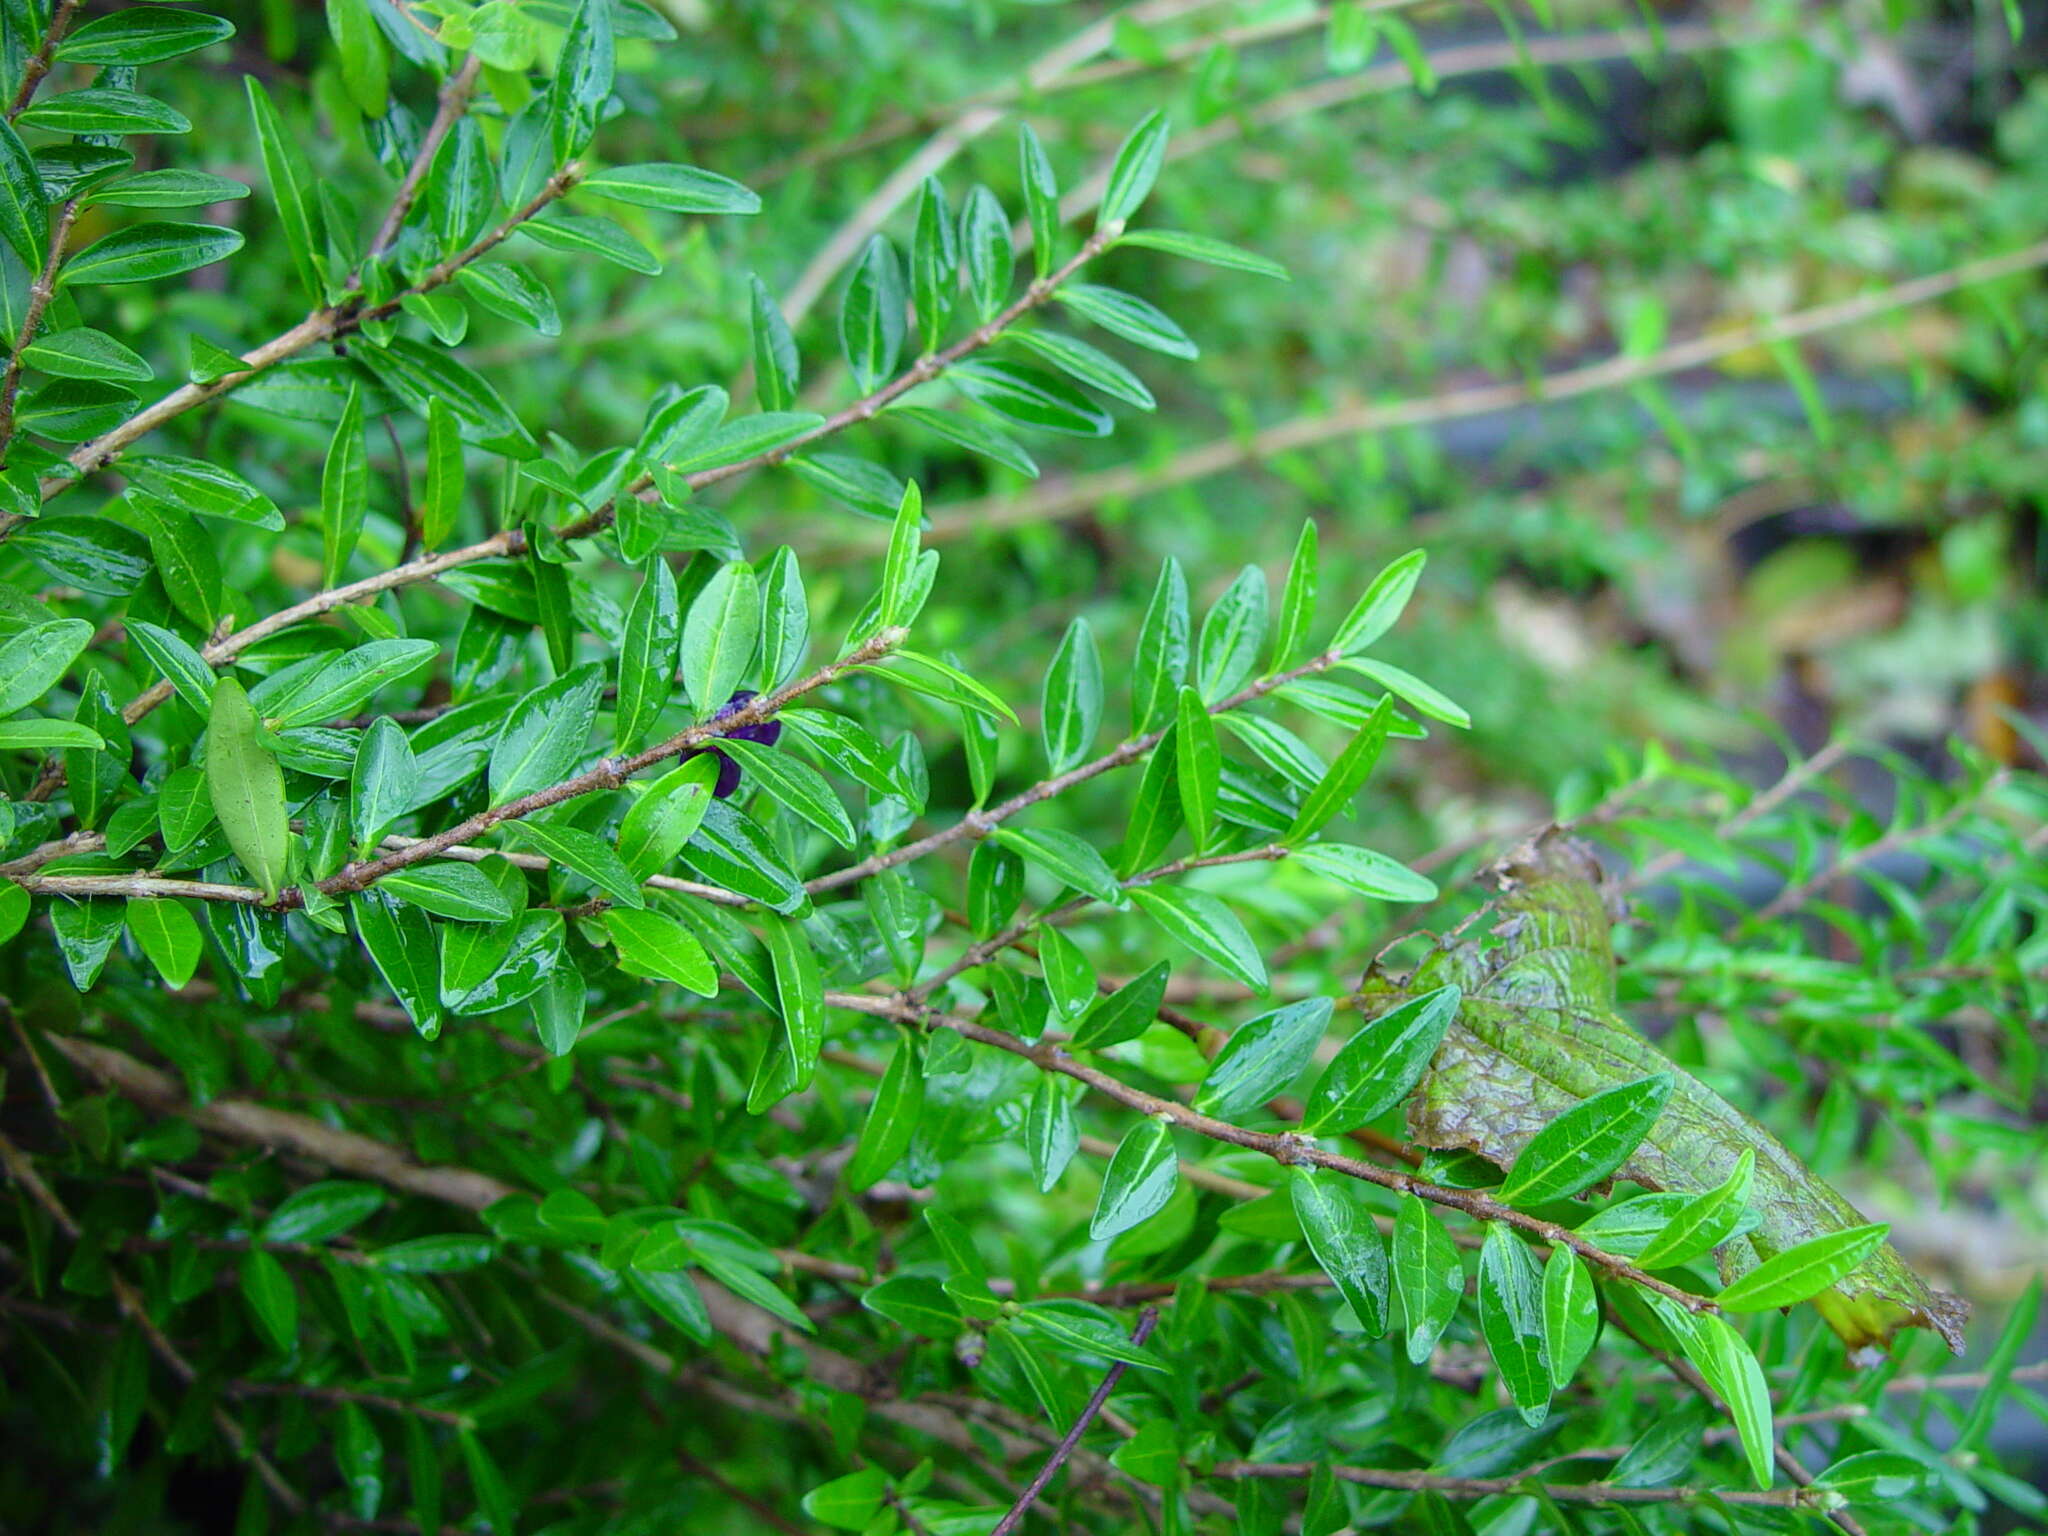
[1221,765]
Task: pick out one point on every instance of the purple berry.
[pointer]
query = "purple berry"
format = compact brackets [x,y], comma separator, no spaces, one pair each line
[766,733]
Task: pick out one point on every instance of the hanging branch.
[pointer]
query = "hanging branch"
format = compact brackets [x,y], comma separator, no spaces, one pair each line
[1147,1320]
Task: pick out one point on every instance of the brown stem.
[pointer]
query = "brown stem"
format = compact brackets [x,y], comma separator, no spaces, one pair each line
[979,824]
[39,295]
[1289,1150]
[609,774]
[455,96]
[1147,1321]
[39,63]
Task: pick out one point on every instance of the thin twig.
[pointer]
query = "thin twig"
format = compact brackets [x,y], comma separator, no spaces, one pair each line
[454,102]
[39,295]
[1289,1150]
[1147,1321]
[39,63]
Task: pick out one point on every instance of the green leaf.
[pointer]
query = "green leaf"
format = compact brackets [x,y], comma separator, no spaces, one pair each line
[462,188]
[1127,315]
[673,188]
[1198,766]
[655,944]
[1133,172]
[83,353]
[900,595]
[185,560]
[1429,1277]
[1138,1182]
[1041,199]
[589,234]
[45,735]
[848,1503]
[1346,1242]
[441,501]
[675,1299]
[1347,776]
[1071,712]
[1705,1222]
[1206,926]
[1202,248]
[316,1212]
[34,660]
[776,364]
[872,313]
[585,854]
[171,187]
[649,654]
[400,943]
[1066,858]
[1232,633]
[1571,1315]
[1875,1478]
[799,992]
[1156,813]
[272,1298]
[971,435]
[247,788]
[95,554]
[893,1117]
[731,850]
[447,1254]
[166,933]
[1375,1069]
[24,207]
[985,246]
[1382,604]
[1803,1272]
[450,889]
[582,85]
[1030,397]
[1731,1369]
[1261,1057]
[1069,977]
[1587,1142]
[359,1457]
[793,785]
[487,1481]
[1511,1320]
[332,685]
[938,680]
[915,1302]
[1079,1327]
[98,109]
[365,69]
[1050,1131]
[291,184]
[1125,1014]
[666,816]
[934,264]
[146,36]
[195,486]
[545,735]
[142,253]
[1368,873]
[1161,666]
[344,489]
[720,637]
[1412,690]
[1090,365]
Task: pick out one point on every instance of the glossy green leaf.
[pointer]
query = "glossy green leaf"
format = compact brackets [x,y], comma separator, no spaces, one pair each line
[648,654]
[1071,709]
[247,788]
[1347,775]
[449,889]
[1587,1142]
[1571,1315]
[1704,1222]
[892,1120]
[720,637]
[1511,1320]
[272,1299]
[666,816]
[142,253]
[871,317]
[1803,1272]
[545,735]
[1375,1069]
[1346,1242]
[1065,857]
[400,943]
[34,660]
[1232,633]
[1138,1182]
[167,934]
[583,853]
[1125,1014]
[1050,1131]
[1203,248]
[1133,172]
[655,944]
[1206,926]
[24,208]
[1261,1057]
[672,188]
[1429,1276]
